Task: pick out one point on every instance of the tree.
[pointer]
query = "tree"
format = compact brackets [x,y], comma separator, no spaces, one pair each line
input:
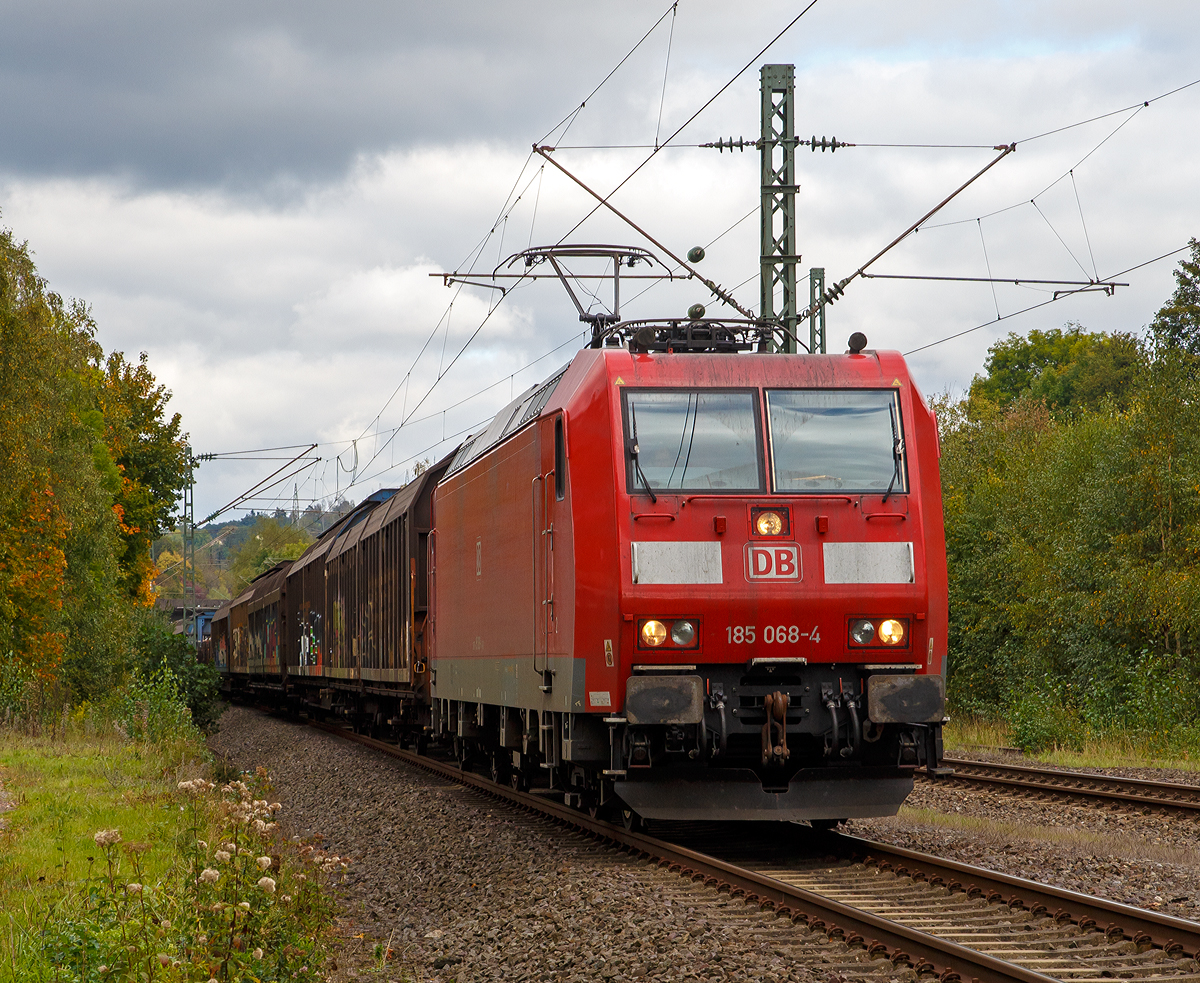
[1177,323]
[57,527]
[269,542]
[1069,369]
[88,469]
[151,456]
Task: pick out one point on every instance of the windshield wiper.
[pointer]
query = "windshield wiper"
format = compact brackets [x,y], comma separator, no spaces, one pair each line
[632,447]
[897,450]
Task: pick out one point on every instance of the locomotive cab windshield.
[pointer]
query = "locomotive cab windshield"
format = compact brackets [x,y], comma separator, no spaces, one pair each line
[820,440]
[692,440]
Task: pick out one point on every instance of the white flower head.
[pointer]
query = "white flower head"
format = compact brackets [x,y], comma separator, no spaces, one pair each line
[107,837]
[221,856]
[244,905]
[267,884]
[257,954]
[209,876]
[133,888]
[264,862]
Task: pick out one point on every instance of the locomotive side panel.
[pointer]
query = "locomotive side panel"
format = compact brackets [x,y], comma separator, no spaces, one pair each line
[591,486]
[502,582]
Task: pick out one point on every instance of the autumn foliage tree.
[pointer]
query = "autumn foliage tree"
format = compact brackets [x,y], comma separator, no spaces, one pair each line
[89,470]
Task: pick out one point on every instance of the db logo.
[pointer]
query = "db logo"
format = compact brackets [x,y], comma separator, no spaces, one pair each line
[774,562]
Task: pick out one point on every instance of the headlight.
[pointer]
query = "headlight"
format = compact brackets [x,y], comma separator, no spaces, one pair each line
[768,524]
[683,633]
[863,632]
[891,632]
[654,633]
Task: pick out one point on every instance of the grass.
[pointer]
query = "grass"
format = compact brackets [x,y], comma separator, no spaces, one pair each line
[1108,749]
[62,792]
[119,861]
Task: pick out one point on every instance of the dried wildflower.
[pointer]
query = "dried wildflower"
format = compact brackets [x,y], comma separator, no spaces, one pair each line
[209,876]
[274,807]
[202,845]
[107,837]
[201,940]
[221,856]
[244,905]
[285,898]
[264,862]
[164,959]
[257,953]
[166,925]
[133,888]
[267,884]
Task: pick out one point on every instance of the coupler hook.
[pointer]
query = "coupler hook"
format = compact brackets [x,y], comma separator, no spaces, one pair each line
[774,732]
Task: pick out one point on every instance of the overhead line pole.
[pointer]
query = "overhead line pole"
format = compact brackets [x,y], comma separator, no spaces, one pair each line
[777,150]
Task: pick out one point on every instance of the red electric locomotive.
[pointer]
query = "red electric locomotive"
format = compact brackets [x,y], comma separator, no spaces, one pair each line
[687,582]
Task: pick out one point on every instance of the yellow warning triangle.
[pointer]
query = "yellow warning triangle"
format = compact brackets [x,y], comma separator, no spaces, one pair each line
[621,382]
[895,382]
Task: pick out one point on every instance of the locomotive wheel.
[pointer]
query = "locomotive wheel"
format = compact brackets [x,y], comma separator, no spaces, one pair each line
[499,768]
[518,780]
[825,824]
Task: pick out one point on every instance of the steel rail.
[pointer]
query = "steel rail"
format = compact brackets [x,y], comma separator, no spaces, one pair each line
[1133,791]
[880,936]
[1172,935]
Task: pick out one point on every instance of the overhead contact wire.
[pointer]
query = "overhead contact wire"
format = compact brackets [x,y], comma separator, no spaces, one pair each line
[604,201]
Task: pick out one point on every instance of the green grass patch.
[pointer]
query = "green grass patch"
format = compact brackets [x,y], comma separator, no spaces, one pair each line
[1079,746]
[120,861]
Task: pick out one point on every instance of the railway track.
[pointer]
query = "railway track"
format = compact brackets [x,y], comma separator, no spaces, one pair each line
[941,918]
[1054,783]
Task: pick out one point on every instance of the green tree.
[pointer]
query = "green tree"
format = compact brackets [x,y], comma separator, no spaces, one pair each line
[1069,369]
[1177,323]
[268,542]
[1073,540]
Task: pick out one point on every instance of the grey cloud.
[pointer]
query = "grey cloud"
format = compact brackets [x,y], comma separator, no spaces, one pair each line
[246,95]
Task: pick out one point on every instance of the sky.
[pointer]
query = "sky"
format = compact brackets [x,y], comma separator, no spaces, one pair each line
[256,195]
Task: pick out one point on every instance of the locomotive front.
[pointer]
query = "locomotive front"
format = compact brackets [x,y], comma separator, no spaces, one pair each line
[697,585]
[782,585]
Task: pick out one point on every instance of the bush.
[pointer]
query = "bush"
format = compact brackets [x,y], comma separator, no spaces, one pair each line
[156,645]
[1041,723]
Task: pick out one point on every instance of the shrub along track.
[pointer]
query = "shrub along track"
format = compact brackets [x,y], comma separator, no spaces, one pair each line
[1053,783]
[939,917]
